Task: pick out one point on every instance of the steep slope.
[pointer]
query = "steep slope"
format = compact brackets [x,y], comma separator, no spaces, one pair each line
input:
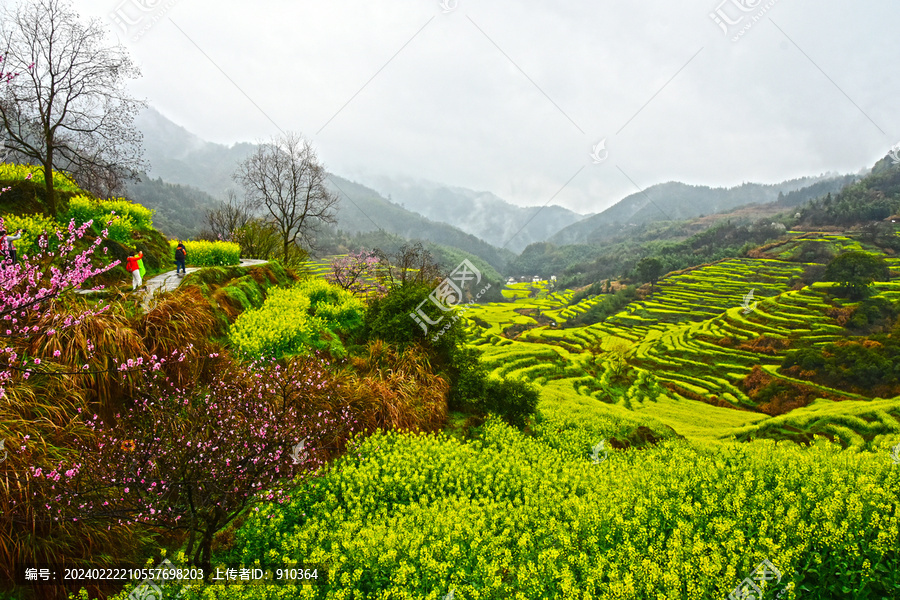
[178,156]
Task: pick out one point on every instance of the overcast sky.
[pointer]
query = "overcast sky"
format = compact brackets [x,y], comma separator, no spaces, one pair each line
[512,96]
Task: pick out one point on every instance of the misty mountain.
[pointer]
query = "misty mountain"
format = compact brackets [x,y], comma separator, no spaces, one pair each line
[362,209]
[180,209]
[178,156]
[187,175]
[675,201]
[482,214]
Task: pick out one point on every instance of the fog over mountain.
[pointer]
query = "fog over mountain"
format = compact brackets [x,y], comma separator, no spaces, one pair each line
[481,213]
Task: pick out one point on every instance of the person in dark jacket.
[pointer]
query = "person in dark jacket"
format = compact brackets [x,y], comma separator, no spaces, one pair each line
[180,256]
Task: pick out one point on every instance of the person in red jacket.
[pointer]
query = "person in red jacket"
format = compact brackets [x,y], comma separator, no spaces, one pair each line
[131,265]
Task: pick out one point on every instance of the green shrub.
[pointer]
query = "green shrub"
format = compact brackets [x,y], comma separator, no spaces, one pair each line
[473,389]
[389,319]
[513,400]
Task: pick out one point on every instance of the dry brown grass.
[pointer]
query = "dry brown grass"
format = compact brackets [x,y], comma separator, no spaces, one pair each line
[46,408]
[47,412]
[389,389]
[93,342]
[181,321]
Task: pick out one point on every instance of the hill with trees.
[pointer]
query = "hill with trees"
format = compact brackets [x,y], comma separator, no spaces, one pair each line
[675,201]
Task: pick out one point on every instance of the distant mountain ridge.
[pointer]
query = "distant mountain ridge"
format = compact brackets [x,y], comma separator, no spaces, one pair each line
[674,201]
[178,156]
[482,214]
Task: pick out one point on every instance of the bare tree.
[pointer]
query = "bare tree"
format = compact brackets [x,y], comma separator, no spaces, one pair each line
[223,222]
[284,177]
[68,108]
[412,263]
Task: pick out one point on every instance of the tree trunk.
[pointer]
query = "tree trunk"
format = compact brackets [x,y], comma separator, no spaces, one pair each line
[203,558]
[48,185]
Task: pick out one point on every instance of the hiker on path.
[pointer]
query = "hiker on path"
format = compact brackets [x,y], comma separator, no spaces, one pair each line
[7,248]
[180,256]
[132,266]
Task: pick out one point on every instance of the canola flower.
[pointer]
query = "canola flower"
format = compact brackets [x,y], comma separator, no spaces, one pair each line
[201,253]
[298,319]
[519,516]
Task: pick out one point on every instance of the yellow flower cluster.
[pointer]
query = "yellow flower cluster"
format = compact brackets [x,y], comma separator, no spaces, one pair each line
[33,227]
[292,320]
[518,516]
[209,254]
[119,216]
[61,182]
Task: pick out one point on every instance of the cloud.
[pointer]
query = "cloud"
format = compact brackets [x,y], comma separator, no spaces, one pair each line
[511,96]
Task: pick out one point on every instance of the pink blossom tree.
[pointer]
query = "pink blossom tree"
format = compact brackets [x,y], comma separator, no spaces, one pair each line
[358,272]
[195,460]
[29,288]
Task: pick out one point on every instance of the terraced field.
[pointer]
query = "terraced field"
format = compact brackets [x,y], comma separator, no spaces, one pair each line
[697,336]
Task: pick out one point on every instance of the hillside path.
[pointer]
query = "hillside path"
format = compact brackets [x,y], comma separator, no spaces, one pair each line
[166,282]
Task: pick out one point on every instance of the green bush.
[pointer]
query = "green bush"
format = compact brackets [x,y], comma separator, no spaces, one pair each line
[474,390]
[513,400]
[389,319]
